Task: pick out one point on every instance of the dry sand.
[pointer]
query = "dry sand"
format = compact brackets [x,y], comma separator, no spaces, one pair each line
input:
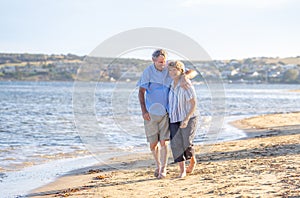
[267,164]
[295,90]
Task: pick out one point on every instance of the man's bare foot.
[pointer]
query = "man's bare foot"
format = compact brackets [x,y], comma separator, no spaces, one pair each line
[156,172]
[162,174]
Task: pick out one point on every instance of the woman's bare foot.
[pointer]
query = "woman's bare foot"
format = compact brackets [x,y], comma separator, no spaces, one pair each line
[192,165]
[182,175]
[182,169]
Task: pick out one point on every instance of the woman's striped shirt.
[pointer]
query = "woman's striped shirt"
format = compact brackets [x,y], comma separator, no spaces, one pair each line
[179,105]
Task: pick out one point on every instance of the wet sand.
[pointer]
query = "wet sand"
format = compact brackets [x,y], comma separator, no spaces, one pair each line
[266,164]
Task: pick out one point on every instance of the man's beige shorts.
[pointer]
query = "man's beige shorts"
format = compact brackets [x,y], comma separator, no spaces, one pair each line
[157,128]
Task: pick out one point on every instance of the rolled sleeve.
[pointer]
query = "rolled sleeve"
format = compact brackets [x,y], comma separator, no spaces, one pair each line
[190,93]
[144,80]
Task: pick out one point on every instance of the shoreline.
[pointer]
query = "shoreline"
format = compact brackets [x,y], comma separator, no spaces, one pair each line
[34,176]
[60,166]
[266,162]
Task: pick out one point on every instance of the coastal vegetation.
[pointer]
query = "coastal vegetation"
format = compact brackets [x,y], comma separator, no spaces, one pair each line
[54,67]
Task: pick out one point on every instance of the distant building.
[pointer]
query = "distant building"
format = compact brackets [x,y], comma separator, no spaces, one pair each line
[9,69]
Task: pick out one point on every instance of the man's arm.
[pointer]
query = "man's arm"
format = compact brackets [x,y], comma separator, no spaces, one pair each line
[189,74]
[145,113]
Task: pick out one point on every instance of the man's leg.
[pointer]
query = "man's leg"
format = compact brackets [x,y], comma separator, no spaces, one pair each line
[163,159]
[156,154]
[152,130]
[164,141]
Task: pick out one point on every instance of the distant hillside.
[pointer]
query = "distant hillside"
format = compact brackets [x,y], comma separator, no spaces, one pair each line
[10,58]
[43,67]
[269,60]
[7,59]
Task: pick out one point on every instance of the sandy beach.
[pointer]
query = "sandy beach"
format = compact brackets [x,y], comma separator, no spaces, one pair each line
[266,164]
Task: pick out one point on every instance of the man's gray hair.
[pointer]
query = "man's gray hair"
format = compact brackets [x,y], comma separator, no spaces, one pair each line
[159,52]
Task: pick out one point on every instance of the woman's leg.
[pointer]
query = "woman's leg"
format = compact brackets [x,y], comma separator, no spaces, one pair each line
[188,137]
[192,165]
[182,169]
[176,142]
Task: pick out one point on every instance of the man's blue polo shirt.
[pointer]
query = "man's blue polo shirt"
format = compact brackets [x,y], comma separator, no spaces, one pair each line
[157,84]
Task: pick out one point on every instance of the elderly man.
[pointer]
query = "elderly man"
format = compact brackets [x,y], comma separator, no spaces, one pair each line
[154,87]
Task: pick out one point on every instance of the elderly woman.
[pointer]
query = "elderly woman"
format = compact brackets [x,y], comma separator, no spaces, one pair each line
[154,87]
[183,119]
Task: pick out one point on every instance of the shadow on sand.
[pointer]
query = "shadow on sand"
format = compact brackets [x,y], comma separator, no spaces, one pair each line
[272,150]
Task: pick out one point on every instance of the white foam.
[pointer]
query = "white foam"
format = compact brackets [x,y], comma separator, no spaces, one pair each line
[18,184]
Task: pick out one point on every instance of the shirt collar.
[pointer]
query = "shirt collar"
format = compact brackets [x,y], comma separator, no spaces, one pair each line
[157,69]
[178,84]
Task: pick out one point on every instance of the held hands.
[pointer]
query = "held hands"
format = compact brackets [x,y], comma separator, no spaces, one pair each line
[184,123]
[146,116]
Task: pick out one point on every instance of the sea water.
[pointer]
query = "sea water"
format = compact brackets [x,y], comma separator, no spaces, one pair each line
[38,125]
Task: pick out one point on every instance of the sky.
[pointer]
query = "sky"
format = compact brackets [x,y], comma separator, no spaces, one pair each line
[226,29]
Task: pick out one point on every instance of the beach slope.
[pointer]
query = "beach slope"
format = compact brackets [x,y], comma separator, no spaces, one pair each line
[266,164]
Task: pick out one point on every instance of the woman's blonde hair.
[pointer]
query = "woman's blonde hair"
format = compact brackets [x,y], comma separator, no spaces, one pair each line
[178,65]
